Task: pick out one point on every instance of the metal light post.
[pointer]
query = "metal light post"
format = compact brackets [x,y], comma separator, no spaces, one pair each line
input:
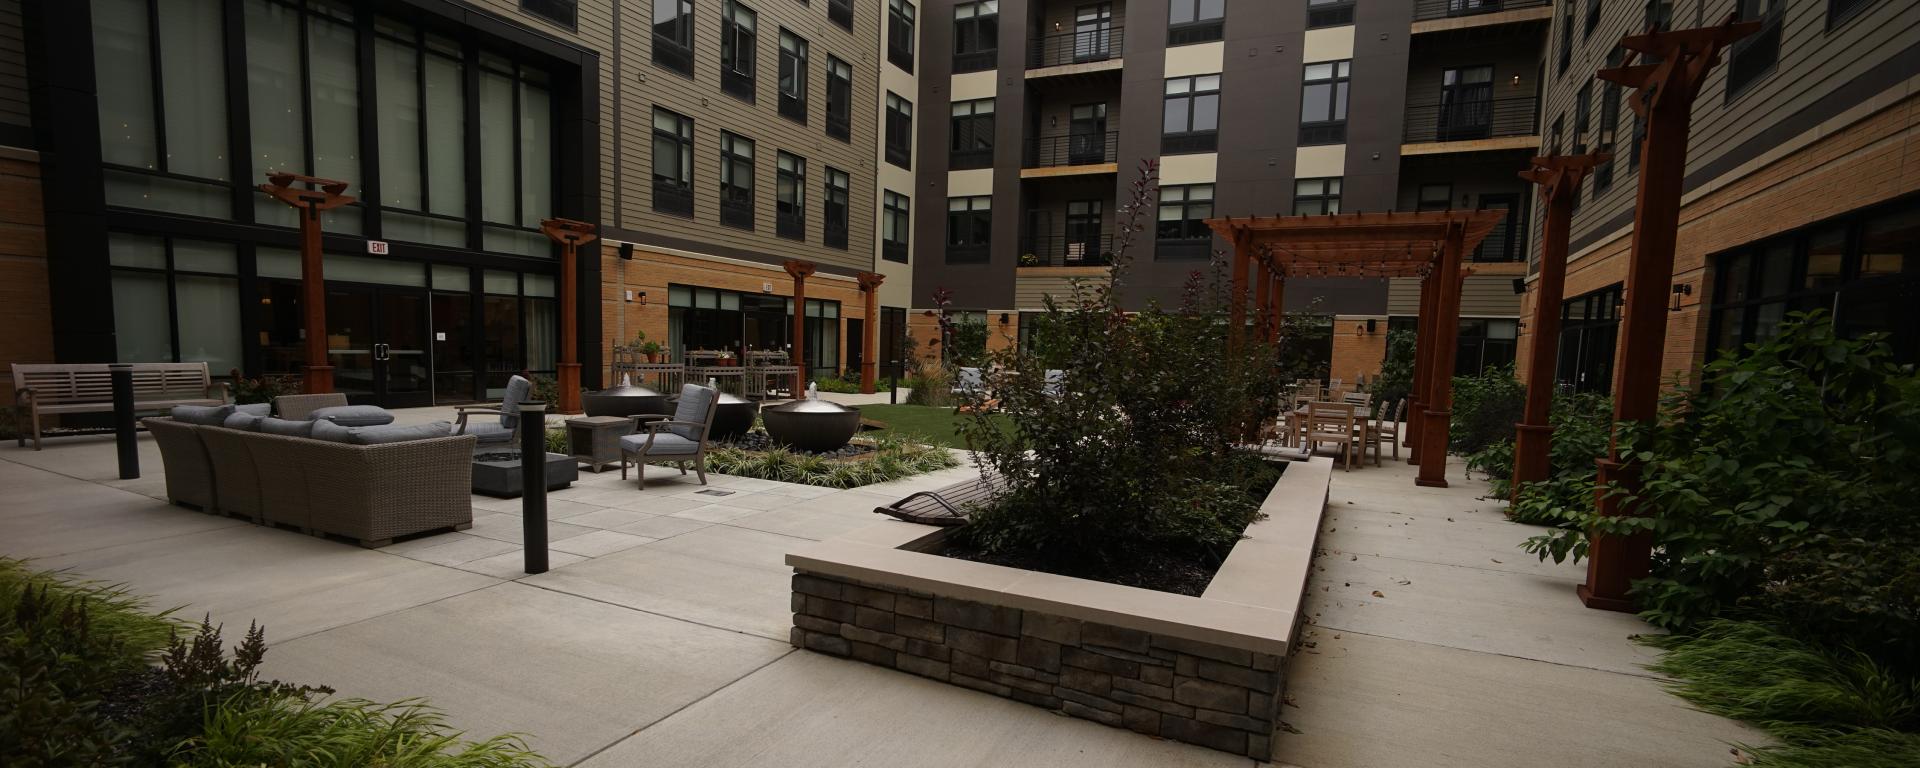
[121,376]
[533,485]
[315,196]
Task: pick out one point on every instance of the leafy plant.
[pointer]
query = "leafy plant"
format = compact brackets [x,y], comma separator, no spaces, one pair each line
[838,384]
[349,732]
[557,441]
[1395,381]
[1306,350]
[263,389]
[545,389]
[1485,408]
[56,659]
[932,385]
[893,458]
[1581,424]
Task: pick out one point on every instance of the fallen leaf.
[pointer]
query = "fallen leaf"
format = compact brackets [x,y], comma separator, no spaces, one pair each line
[1288,727]
[1376,593]
[1288,700]
[1348,584]
[1497,560]
[1353,557]
[1403,582]
[1449,519]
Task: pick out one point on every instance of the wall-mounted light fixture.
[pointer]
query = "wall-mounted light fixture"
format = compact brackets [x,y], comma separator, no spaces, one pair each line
[626,251]
[1683,289]
[1516,81]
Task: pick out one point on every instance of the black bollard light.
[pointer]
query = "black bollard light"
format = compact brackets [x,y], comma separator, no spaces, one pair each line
[123,436]
[893,392]
[533,484]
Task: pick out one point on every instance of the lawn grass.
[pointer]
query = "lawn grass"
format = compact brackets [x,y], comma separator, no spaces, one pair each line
[936,425]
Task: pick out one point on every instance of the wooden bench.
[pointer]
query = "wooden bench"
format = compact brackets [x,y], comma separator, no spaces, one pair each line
[948,506]
[52,389]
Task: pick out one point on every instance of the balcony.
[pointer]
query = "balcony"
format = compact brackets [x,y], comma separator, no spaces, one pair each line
[1437,15]
[1472,124]
[672,197]
[736,212]
[1084,47]
[790,225]
[1066,251]
[1072,154]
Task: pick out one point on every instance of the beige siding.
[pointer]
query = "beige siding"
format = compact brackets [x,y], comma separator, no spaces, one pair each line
[1030,292]
[1480,296]
[13,67]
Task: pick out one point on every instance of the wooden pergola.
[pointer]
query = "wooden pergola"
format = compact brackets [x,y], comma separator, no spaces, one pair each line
[1429,245]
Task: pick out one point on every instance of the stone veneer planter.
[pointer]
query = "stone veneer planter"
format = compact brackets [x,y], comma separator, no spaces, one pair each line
[1208,670]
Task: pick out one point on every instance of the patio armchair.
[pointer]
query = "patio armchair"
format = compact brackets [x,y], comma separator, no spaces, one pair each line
[1333,423]
[678,440]
[969,381]
[505,430]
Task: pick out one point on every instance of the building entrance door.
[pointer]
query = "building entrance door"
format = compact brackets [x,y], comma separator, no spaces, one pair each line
[377,344]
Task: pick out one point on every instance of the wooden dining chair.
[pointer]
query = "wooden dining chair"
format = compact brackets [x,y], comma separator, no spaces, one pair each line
[1332,423]
[1385,428]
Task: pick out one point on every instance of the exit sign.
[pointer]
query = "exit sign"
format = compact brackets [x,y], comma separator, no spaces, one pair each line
[377,247]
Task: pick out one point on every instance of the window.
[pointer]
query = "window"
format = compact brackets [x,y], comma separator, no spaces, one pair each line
[1639,142]
[175,300]
[1484,343]
[1312,197]
[899,131]
[1582,117]
[972,135]
[790,197]
[737,23]
[1323,103]
[1329,13]
[841,12]
[1434,197]
[1840,11]
[836,207]
[1566,38]
[1181,229]
[672,163]
[894,227]
[166,142]
[1466,104]
[1609,130]
[976,35]
[1593,19]
[736,181]
[1659,15]
[1191,121]
[1754,56]
[1195,21]
[516,157]
[421,131]
[561,12]
[673,35]
[839,99]
[793,76]
[1589,324]
[900,36]
[969,229]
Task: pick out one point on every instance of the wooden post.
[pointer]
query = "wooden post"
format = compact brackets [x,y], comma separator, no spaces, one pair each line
[1422,351]
[570,234]
[1263,320]
[799,270]
[313,197]
[1237,300]
[1275,320]
[1664,98]
[1444,332]
[870,332]
[1559,178]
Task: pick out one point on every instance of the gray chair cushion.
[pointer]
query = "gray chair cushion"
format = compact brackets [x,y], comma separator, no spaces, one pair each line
[255,409]
[354,415]
[695,400]
[399,433]
[518,390]
[664,444]
[246,422]
[489,432]
[969,380]
[287,427]
[331,432]
[210,415]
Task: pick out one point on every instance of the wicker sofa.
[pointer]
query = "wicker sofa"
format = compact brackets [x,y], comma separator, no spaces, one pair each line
[368,493]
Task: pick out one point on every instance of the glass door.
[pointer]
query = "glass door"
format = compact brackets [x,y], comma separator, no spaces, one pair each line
[350,341]
[1501,243]
[376,342]
[1092,33]
[453,358]
[1466,103]
[1083,232]
[1089,134]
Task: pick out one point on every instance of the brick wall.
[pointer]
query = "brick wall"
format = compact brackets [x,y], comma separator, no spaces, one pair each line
[24,311]
[1200,693]
[1361,354]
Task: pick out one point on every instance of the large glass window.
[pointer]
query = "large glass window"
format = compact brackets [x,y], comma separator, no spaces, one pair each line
[1755,56]
[790,196]
[1181,229]
[1329,13]
[175,300]
[899,131]
[793,76]
[672,162]
[1195,21]
[1313,197]
[1191,121]
[421,131]
[561,12]
[971,135]
[976,35]
[304,116]
[1484,343]
[836,206]
[737,56]
[516,156]
[673,35]
[969,229]
[176,127]
[900,33]
[1323,103]
[839,99]
[841,12]
[1589,324]
[736,181]
[894,227]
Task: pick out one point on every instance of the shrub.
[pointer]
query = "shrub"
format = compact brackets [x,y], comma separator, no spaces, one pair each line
[1581,425]
[894,457]
[557,441]
[1307,350]
[263,389]
[932,385]
[1130,458]
[1787,476]
[839,384]
[1485,408]
[1395,381]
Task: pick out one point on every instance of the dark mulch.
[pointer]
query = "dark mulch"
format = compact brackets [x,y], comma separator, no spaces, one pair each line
[1159,571]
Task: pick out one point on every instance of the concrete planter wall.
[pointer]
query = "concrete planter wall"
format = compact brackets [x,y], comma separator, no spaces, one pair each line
[1208,670]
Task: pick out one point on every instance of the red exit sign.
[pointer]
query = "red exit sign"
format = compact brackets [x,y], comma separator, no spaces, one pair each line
[377,247]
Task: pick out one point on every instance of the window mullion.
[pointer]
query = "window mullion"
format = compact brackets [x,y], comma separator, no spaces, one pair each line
[154,84]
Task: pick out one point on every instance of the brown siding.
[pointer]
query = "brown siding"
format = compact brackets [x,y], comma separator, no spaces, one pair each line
[13,68]
[24,308]
[1480,296]
[1030,291]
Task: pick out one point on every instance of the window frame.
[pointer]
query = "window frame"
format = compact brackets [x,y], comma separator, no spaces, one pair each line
[1190,141]
[836,195]
[1195,240]
[839,99]
[1327,197]
[899,131]
[673,196]
[790,216]
[564,13]
[736,201]
[1197,29]
[792,85]
[739,74]
[675,53]
[841,12]
[976,128]
[1744,73]
[966,243]
[895,218]
[978,58]
[1339,86]
[1329,13]
[902,20]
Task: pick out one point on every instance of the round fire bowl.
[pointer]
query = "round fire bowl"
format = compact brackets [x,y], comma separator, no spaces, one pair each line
[811,425]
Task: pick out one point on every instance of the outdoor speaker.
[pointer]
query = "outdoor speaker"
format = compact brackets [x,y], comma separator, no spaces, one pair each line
[1519,284]
[626,251]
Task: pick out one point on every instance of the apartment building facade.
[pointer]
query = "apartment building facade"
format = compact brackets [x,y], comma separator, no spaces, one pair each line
[1248,108]
[711,140]
[1801,190]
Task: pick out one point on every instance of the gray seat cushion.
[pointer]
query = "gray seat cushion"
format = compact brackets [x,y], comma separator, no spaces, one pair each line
[518,390]
[287,427]
[331,432]
[398,433]
[255,409]
[664,444]
[354,415]
[489,432]
[210,415]
[695,402]
[246,422]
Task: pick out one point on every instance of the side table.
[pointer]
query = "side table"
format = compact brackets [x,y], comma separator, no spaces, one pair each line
[595,440]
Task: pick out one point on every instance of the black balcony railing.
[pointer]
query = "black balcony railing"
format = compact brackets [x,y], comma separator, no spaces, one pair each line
[1424,10]
[970,159]
[790,225]
[1468,119]
[736,213]
[1073,149]
[1082,47]
[975,61]
[1056,251]
[672,197]
[1189,143]
[1507,242]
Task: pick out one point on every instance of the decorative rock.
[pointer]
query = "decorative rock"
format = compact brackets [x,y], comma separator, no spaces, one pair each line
[1157,675]
[917,628]
[1096,683]
[917,607]
[873,619]
[1144,689]
[969,664]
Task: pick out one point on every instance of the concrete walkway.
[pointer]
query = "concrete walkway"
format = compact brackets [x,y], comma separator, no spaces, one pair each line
[659,637]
